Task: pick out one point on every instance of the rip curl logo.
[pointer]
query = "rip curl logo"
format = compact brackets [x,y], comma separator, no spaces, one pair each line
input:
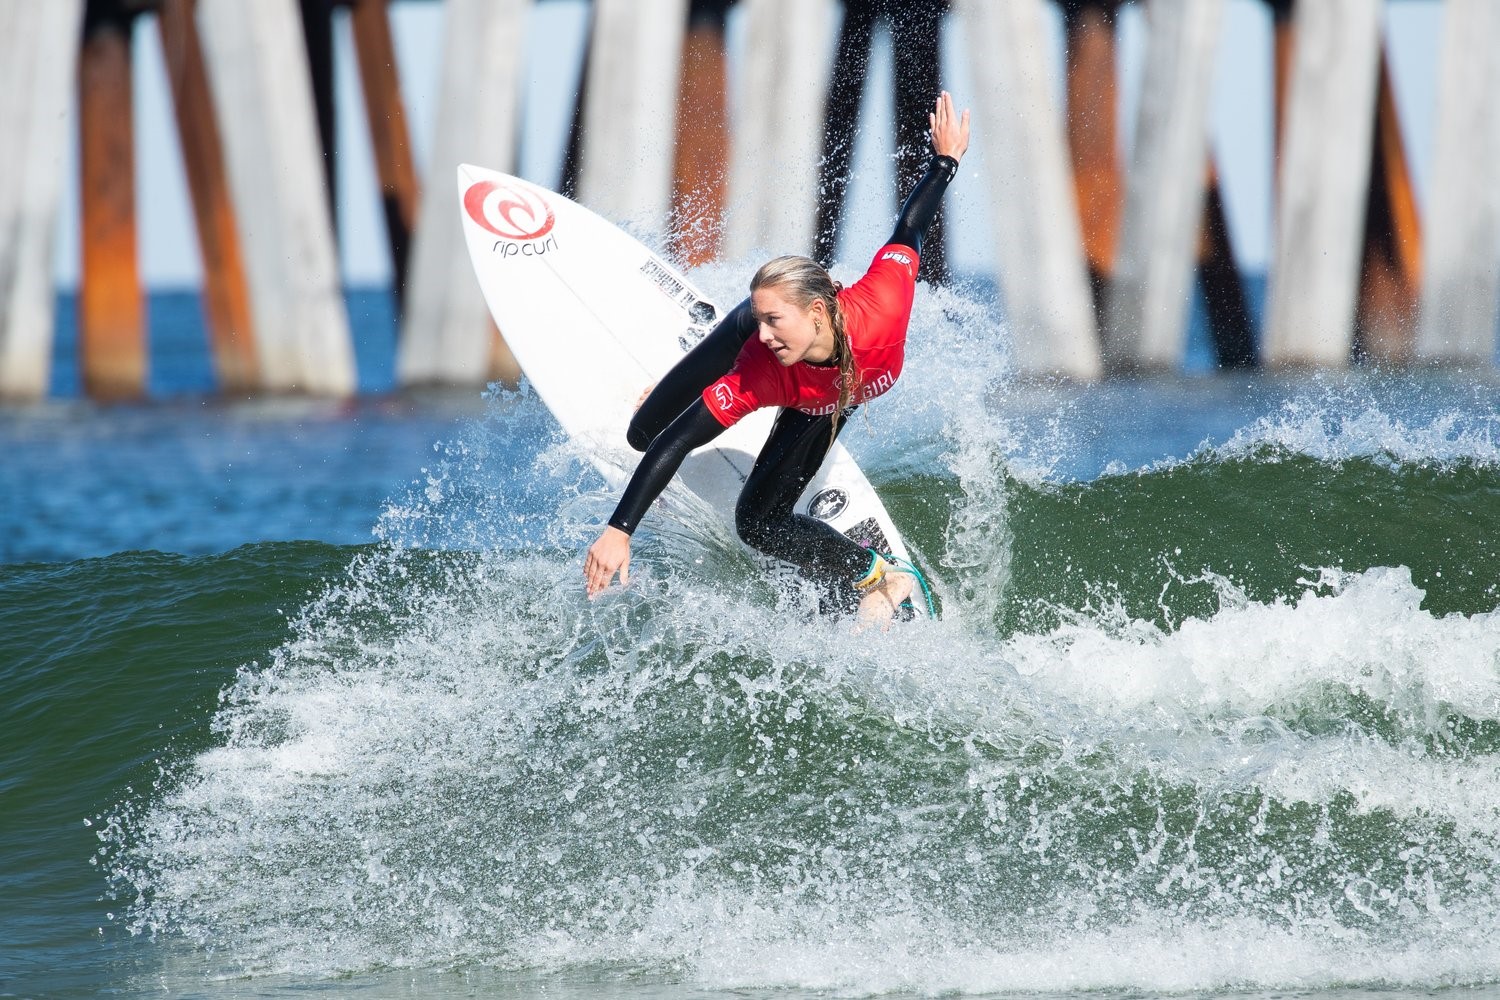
[509,211]
[723,398]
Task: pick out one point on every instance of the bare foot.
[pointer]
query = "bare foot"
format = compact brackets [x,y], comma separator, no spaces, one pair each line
[879,606]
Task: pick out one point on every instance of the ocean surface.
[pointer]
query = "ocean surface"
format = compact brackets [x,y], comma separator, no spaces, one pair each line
[302,698]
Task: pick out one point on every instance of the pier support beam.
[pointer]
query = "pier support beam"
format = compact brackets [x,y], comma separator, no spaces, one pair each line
[846,88]
[1043,277]
[226,293]
[778,134]
[1093,139]
[1323,185]
[916,30]
[635,60]
[38,62]
[259,76]
[386,114]
[1461,273]
[1223,288]
[111,307]
[702,157]
[1153,282]
[1385,324]
[447,336]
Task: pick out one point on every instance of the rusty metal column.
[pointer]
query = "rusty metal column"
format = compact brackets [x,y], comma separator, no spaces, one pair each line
[1093,134]
[386,113]
[226,294]
[111,308]
[1384,325]
[702,152]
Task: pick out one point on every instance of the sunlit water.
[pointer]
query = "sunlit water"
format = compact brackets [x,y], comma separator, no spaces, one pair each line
[1214,706]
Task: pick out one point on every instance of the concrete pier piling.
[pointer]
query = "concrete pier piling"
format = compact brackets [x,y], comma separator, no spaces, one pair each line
[1461,269]
[778,127]
[261,83]
[38,60]
[1323,183]
[726,129]
[635,62]
[1151,292]
[1038,244]
[447,336]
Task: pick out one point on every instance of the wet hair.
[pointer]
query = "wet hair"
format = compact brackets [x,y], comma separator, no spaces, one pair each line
[803,281]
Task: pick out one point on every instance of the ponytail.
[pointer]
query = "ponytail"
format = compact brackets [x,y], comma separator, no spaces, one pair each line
[803,281]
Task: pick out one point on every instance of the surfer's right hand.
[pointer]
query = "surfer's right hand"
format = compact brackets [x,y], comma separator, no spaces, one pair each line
[644,393]
[610,554]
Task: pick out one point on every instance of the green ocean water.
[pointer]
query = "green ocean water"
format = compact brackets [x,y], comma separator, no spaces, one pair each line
[310,700]
[1227,722]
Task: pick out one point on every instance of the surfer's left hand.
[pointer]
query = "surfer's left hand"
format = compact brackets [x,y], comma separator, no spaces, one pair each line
[950,130]
[611,553]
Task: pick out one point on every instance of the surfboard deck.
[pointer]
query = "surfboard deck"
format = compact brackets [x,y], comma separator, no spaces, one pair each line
[593,317]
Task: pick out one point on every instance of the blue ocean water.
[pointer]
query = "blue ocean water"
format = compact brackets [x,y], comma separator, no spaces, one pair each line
[305,697]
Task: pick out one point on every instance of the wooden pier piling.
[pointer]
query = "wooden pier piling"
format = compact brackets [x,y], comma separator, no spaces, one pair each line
[1095,257]
[1390,273]
[1461,271]
[386,114]
[38,60]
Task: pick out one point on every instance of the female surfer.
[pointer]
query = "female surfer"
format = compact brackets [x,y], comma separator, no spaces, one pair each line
[818,351]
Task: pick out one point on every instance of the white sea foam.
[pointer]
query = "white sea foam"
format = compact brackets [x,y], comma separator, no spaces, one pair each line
[459,761]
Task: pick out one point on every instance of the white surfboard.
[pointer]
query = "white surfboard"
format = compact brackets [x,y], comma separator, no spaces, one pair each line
[594,317]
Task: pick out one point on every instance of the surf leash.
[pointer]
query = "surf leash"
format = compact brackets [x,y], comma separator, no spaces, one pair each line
[880,564]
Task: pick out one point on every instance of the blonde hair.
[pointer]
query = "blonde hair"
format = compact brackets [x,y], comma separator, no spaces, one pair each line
[803,281]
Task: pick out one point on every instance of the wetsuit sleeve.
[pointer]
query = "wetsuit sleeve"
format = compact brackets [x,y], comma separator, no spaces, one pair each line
[922,204]
[694,427]
[713,356]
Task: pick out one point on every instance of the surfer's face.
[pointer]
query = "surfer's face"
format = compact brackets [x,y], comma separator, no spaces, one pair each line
[792,333]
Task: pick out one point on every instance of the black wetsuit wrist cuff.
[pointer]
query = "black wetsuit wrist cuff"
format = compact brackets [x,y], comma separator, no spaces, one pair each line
[622,525]
[947,164]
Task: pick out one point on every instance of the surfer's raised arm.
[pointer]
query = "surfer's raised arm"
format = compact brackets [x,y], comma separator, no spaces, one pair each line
[950,139]
[815,351]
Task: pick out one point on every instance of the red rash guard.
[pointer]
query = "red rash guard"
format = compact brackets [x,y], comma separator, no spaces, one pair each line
[876,311]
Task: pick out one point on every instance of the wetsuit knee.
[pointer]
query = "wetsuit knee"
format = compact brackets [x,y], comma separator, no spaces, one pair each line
[637,436]
[751,524]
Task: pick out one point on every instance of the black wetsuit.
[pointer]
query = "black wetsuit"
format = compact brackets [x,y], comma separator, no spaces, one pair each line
[673,421]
